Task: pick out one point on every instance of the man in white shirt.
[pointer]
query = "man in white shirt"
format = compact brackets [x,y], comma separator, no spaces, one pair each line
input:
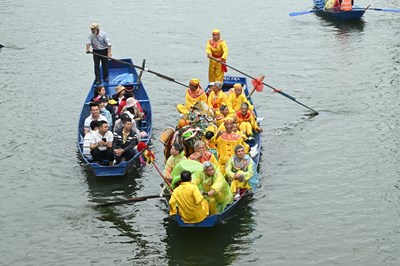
[94,115]
[101,45]
[101,144]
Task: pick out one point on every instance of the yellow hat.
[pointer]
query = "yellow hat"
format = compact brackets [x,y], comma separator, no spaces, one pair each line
[95,26]
[215,31]
[194,81]
[237,85]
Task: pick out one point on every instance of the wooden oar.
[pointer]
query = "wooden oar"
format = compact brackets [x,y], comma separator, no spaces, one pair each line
[141,68]
[293,14]
[379,9]
[275,89]
[128,200]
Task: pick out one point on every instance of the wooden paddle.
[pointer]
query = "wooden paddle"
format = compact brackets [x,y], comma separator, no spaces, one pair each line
[128,200]
[275,89]
[141,68]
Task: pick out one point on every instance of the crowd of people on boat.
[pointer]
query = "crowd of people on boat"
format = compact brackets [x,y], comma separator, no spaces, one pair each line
[111,131]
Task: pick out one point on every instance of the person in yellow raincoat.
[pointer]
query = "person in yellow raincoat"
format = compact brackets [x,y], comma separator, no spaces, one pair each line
[187,201]
[194,94]
[226,141]
[247,121]
[239,170]
[216,48]
[177,155]
[236,99]
[213,182]
[217,97]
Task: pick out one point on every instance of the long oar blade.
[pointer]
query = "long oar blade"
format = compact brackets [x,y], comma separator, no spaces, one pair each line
[129,200]
[385,9]
[293,14]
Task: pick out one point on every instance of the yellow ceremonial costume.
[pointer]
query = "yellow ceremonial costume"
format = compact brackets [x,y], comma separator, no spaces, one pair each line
[215,101]
[234,101]
[226,143]
[187,201]
[243,168]
[192,97]
[219,50]
[247,123]
[207,156]
[223,195]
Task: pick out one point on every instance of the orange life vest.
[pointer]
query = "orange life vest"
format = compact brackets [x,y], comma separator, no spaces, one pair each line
[346,5]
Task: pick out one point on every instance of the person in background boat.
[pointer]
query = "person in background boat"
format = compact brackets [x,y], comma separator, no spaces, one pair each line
[239,170]
[216,48]
[125,140]
[94,126]
[236,99]
[194,94]
[213,182]
[226,141]
[247,121]
[339,5]
[104,112]
[119,96]
[187,201]
[177,155]
[101,142]
[201,154]
[217,97]
[101,45]
[94,115]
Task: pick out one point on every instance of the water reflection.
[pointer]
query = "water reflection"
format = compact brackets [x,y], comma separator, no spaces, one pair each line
[210,246]
[343,27]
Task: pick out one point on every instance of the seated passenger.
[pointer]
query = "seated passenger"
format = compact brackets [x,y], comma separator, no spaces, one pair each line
[247,121]
[239,170]
[94,115]
[217,97]
[224,113]
[121,121]
[177,155]
[104,112]
[119,96]
[99,91]
[194,94]
[201,154]
[125,140]
[94,126]
[210,144]
[101,144]
[133,109]
[236,99]
[187,201]
[212,181]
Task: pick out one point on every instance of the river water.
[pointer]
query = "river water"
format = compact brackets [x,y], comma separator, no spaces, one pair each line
[330,191]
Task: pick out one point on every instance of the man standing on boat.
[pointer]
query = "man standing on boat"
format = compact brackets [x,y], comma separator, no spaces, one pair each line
[216,48]
[187,201]
[101,45]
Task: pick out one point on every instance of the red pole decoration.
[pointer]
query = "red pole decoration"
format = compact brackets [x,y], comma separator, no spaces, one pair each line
[258,83]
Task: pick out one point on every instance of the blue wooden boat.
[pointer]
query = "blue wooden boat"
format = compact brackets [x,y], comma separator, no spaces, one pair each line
[222,217]
[117,68]
[355,14]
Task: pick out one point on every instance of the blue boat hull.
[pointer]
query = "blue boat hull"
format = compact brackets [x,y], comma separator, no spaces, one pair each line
[115,69]
[354,14]
[220,218]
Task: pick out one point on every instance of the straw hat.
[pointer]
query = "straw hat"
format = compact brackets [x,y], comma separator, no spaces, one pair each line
[94,26]
[119,88]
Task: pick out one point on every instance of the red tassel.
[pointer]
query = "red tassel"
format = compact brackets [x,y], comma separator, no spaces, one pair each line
[258,83]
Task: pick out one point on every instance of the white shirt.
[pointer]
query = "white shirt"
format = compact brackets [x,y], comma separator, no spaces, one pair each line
[100,41]
[96,137]
[89,119]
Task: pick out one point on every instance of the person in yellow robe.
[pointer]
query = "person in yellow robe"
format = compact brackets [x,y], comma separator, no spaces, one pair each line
[217,97]
[226,141]
[236,99]
[187,201]
[213,182]
[216,48]
[224,113]
[201,154]
[239,170]
[194,94]
[247,121]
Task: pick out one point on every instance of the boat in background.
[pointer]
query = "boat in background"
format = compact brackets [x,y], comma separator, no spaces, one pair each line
[255,146]
[355,14]
[117,69]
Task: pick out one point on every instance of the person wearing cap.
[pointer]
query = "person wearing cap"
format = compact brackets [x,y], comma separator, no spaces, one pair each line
[226,141]
[217,97]
[216,48]
[101,45]
[236,99]
[194,94]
